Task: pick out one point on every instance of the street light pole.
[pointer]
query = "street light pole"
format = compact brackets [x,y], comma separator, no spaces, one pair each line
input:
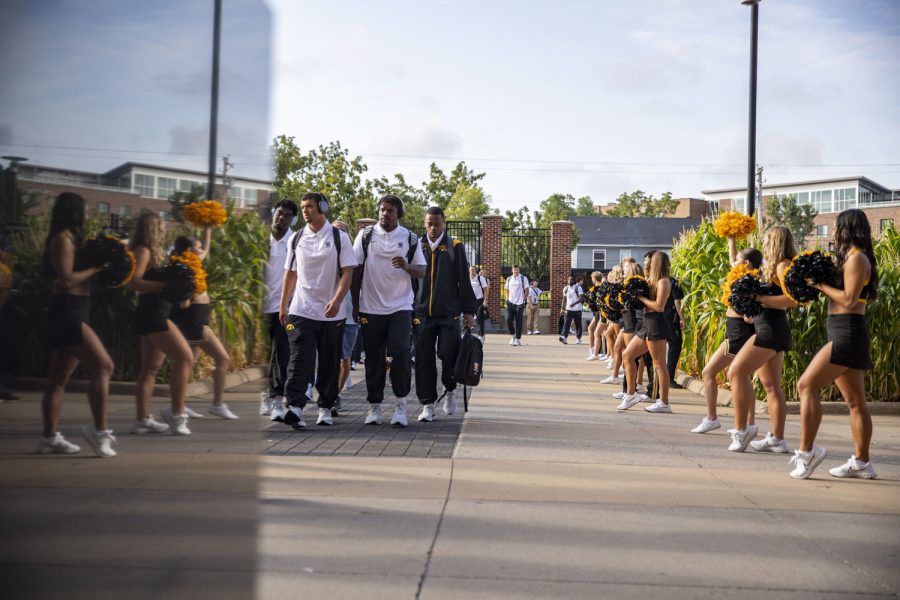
[751,135]
[214,102]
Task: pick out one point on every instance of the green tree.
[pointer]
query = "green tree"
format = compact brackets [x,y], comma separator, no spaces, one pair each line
[180,199]
[639,204]
[525,244]
[585,207]
[557,207]
[468,203]
[800,219]
[440,188]
[329,169]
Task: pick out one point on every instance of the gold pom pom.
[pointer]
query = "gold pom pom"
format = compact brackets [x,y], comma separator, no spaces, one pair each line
[734,224]
[207,213]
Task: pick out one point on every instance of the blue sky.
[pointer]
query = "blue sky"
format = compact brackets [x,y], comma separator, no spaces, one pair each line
[589,98]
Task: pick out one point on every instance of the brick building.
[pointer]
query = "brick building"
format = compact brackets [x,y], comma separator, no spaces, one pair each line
[828,196]
[688,208]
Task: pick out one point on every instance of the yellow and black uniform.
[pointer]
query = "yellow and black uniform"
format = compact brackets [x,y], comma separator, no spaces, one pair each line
[849,335]
[444,293]
[773,330]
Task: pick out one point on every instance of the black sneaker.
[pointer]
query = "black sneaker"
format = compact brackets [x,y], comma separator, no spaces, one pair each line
[293,419]
[562,340]
[676,386]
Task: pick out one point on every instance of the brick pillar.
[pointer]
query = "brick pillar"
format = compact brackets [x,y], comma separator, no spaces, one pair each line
[560,263]
[362,224]
[492,261]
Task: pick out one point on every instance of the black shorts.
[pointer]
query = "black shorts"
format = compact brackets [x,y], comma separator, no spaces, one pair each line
[656,327]
[629,321]
[849,339]
[737,332]
[192,322]
[67,313]
[773,331]
[152,314]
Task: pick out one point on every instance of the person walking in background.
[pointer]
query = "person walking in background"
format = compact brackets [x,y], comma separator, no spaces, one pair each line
[389,258]
[318,272]
[481,289]
[444,294]
[284,213]
[533,308]
[516,288]
[573,298]
[348,341]
[71,338]
[596,326]
[676,319]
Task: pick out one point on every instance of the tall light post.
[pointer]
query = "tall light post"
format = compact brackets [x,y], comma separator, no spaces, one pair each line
[751,135]
[214,101]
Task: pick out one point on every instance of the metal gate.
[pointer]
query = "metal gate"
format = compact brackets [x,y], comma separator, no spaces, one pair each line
[468,232]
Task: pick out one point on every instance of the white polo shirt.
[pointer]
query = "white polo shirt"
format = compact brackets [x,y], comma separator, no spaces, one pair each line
[515,289]
[573,296]
[316,267]
[386,289]
[479,282]
[278,250]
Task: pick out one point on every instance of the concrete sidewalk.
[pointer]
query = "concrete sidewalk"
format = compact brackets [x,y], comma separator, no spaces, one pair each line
[550,493]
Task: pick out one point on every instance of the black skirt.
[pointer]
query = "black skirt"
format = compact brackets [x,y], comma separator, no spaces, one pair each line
[773,330]
[152,314]
[66,314]
[737,332]
[656,327]
[849,339]
[192,322]
[629,320]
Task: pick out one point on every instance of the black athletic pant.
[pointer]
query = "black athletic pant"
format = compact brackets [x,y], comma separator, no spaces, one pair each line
[278,358]
[444,331]
[479,316]
[358,347]
[387,335]
[572,315]
[648,366]
[310,339]
[514,316]
[674,351]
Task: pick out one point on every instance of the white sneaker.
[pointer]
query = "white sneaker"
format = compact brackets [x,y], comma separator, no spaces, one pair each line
[56,444]
[100,441]
[177,423]
[602,356]
[658,407]
[222,411]
[294,417]
[611,379]
[277,410]
[324,417]
[309,390]
[592,357]
[450,402]
[706,425]
[191,413]
[609,364]
[399,416]
[640,389]
[577,341]
[770,443]
[528,333]
[628,401]
[806,462]
[427,413]
[265,404]
[854,468]
[741,439]
[621,371]
[518,343]
[512,341]
[536,332]
[373,417]
[619,395]
[349,382]
[149,425]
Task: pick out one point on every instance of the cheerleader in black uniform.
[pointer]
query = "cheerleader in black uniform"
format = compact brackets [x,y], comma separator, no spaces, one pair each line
[159,337]
[71,337]
[738,330]
[612,332]
[653,336]
[193,322]
[596,326]
[763,353]
[846,356]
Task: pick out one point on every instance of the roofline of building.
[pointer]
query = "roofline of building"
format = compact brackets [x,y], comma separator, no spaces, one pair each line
[795,183]
[204,174]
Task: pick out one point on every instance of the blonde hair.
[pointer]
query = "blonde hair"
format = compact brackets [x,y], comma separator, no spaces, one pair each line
[596,276]
[659,270]
[148,233]
[632,268]
[615,274]
[778,245]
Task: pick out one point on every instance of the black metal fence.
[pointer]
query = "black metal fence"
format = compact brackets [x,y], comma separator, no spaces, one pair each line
[528,248]
[468,232]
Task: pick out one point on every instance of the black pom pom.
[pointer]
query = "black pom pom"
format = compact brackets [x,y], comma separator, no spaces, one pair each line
[743,296]
[110,254]
[634,287]
[612,298]
[814,266]
[180,280]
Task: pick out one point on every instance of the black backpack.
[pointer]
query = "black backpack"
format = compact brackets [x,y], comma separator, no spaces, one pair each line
[468,370]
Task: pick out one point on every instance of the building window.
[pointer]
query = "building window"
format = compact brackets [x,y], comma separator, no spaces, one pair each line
[802,198]
[821,201]
[144,184]
[187,185]
[103,208]
[234,194]
[600,260]
[844,198]
[165,187]
[249,197]
[125,210]
[739,204]
[886,224]
[822,230]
